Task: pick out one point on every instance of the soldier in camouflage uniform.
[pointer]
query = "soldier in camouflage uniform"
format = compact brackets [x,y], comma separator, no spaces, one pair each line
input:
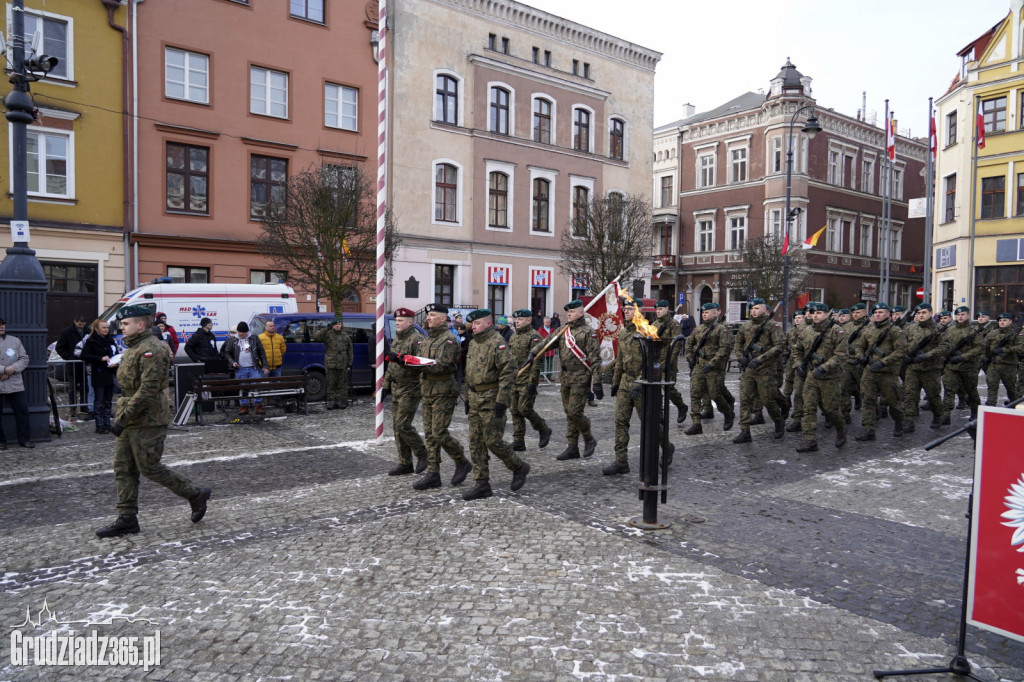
[852,372]
[1002,350]
[628,395]
[403,384]
[524,342]
[141,418]
[707,351]
[927,345]
[793,386]
[668,329]
[900,317]
[337,360]
[581,368]
[965,352]
[490,381]
[758,345]
[880,350]
[440,393]
[820,367]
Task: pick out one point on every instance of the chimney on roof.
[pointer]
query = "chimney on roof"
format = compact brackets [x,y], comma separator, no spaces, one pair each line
[688,110]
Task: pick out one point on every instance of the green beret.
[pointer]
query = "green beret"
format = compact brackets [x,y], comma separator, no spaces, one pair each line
[899,309]
[923,306]
[1005,316]
[627,301]
[858,306]
[710,306]
[880,306]
[662,303]
[576,303]
[945,313]
[982,312]
[757,301]
[962,309]
[798,311]
[478,313]
[817,308]
[844,311]
[523,312]
[136,310]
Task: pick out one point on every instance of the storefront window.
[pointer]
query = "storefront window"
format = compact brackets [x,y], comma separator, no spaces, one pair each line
[1000,289]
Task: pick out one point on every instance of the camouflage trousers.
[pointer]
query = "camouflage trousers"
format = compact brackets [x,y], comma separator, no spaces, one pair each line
[824,392]
[405,400]
[758,390]
[850,387]
[960,378]
[522,411]
[794,386]
[486,435]
[1005,374]
[574,400]
[138,451]
[674,396]
[337,385]
[624,406]
[708,386]
[884,385]
[437,417]
[928,379]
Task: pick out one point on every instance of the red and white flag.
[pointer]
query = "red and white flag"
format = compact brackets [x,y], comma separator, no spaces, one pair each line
[934,138]
[417,361]
[890,138]
[604,315]
[981,131]
[785,244]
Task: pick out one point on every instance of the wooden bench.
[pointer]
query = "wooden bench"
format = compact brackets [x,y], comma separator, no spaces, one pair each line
[220,390]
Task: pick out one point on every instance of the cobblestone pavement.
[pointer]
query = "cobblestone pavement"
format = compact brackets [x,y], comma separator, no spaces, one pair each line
[313,564]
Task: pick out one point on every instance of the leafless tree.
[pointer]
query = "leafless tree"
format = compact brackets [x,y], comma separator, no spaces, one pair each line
[607,238]
[761,273]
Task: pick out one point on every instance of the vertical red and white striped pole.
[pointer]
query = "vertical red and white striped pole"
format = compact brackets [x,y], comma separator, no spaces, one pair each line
[382,200]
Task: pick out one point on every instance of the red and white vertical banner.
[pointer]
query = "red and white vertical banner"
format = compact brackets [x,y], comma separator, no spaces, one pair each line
[382,200]
[996,588]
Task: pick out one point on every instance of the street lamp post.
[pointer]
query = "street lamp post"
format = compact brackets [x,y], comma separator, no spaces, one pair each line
[812,128]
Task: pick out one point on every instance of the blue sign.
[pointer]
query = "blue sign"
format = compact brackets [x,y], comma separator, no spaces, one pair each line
[279,309]
[682,298]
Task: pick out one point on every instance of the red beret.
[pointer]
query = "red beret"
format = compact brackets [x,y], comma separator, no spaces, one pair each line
[404,312]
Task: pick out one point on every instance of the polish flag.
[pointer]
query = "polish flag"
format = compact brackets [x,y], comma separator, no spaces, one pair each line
[981,131]
[417,361]
[934,138]
[890,139]
[785,244]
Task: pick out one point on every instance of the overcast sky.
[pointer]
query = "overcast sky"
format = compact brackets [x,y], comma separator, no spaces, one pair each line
[903,50]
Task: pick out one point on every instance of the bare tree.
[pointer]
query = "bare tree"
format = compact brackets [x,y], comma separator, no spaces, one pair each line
[606,238]
[323,232]
[762,273]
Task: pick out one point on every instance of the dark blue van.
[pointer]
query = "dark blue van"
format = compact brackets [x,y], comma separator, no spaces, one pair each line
[302,353]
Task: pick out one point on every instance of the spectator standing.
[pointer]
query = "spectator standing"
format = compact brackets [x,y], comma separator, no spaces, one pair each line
[687,325]
[555,322]
[172,337]
[246,356]
[274,347]
[549,356]
[98,349]
[66,344]
[13,361]
[202,345]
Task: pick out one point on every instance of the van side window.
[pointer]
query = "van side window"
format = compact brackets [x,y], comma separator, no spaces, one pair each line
[361,331]
[293,333]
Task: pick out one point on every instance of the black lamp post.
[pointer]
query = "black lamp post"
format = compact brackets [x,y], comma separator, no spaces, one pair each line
[22,282]
[812,128]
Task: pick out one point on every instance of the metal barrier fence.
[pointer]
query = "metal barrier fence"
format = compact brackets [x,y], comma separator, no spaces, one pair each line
[71,385]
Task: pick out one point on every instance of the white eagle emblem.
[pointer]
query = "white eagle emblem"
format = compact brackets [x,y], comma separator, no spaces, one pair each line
[1014,514]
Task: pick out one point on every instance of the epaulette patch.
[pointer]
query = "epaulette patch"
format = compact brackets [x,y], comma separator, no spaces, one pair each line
[449,342]
[593,335]
[147,355]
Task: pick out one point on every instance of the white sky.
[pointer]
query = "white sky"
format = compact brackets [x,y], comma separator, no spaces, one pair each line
[903,50]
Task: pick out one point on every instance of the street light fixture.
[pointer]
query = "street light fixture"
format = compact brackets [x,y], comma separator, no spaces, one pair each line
[811,129]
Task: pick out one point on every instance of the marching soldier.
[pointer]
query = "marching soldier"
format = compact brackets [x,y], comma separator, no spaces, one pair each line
[669,329]
[580,354]
[490,381]
[337,360]
[880,350]
[820,350]
[927,345]
[852,372]
[965,353]
[525,340]
[628,395]
[440,393]
[758,344]
[141,418]
[403,384]
[900,317]
[707,352]
[1002,351]
[793,386]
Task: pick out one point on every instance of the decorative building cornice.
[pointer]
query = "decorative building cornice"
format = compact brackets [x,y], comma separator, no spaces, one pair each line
[541,23]
[536,74]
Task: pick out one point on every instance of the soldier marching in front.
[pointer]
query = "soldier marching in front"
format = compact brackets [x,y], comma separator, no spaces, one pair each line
[820,350]
[961,372]
[524,343]
[627,393]
[757,346]
[707,352]
[440,393]
[669,329]
[1002,351]
[403,384]
[881,350]
[793,386]
[490,381]
[927,345]
[579,351]
[852,372]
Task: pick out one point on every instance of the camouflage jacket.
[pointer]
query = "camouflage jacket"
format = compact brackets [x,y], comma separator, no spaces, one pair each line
[522,343]
[669,329]
[143,374]
[935,349]
[442,346]
[883,342]
[831,352]
[404,343]
[854,330]
[628,360]
[972,349]
[1011,349]
[574,372]
[768,346]
[490,366]
[716,350]
[338,354]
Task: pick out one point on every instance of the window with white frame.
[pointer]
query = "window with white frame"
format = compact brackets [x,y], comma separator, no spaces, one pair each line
[896,242]
[867,175]
[55,39]
[617,139]
[268,92]
[867,236]
[835,168]
[446,98]
[50,163]
[834,235]
[897,185]
[500,195]
[580,211]
[186,75]
[341,107]
[446,193]
[775,223]
[543,120]
[582,129]
[775,162]
[738,164]
[737,232]
[706,164]
[542,205]
[500,110]
[704,238]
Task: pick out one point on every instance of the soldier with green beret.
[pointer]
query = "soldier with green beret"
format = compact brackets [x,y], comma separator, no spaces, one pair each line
[669,329]
[927,345]
[757,346]
[1003,351]
[337,360]
[820,351]
[524,343]
[580,354]
[141,418]
[880,350]
[403,383]
[852,372]
[707,352]
[793,384]
[966,350]
[627,393]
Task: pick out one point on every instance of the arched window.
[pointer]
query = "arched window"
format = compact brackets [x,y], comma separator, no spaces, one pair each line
[446,106]
[616,139]
[499,111]
[446,188]
[497,214]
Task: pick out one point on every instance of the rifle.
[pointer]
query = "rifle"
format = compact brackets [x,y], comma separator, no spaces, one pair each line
[1002,343]
[921,345]
[801,370]
[956,349]
[752,347]
[696,351]
[863,360]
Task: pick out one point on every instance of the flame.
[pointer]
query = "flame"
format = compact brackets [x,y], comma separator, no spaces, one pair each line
[643,327]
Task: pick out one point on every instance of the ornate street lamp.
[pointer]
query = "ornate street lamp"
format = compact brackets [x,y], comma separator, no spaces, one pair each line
[812,128]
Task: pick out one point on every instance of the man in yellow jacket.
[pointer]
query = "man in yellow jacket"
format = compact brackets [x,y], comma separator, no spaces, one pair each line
[273,344]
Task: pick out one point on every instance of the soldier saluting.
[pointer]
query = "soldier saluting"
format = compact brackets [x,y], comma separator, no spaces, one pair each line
[579,351]
[758,344]
[880,349]
[141,418]
[524,342]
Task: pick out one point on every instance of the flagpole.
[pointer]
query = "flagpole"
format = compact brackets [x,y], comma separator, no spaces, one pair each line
[979,123]
[883,237]
[382,196]
[929,216]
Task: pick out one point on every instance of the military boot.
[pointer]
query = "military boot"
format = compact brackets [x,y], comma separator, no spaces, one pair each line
[519,475]
[808,446]
[757,419]
[729,417]
[198,504]
[936,422]
[125,524]
[974,411]
[960,404]
[481,490]
[461,471]
[897,430]
[401,470]
[785,410]
[867,435]
[683,411]
[945,420]
[421,463]
[794,426]
[616,468]
[431,480]
[780,429]
[909,426]
[694,430]
[743,437]
[570,452]
[545,437]
[707,414]
[519,445]
[840,438]
[589,445]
